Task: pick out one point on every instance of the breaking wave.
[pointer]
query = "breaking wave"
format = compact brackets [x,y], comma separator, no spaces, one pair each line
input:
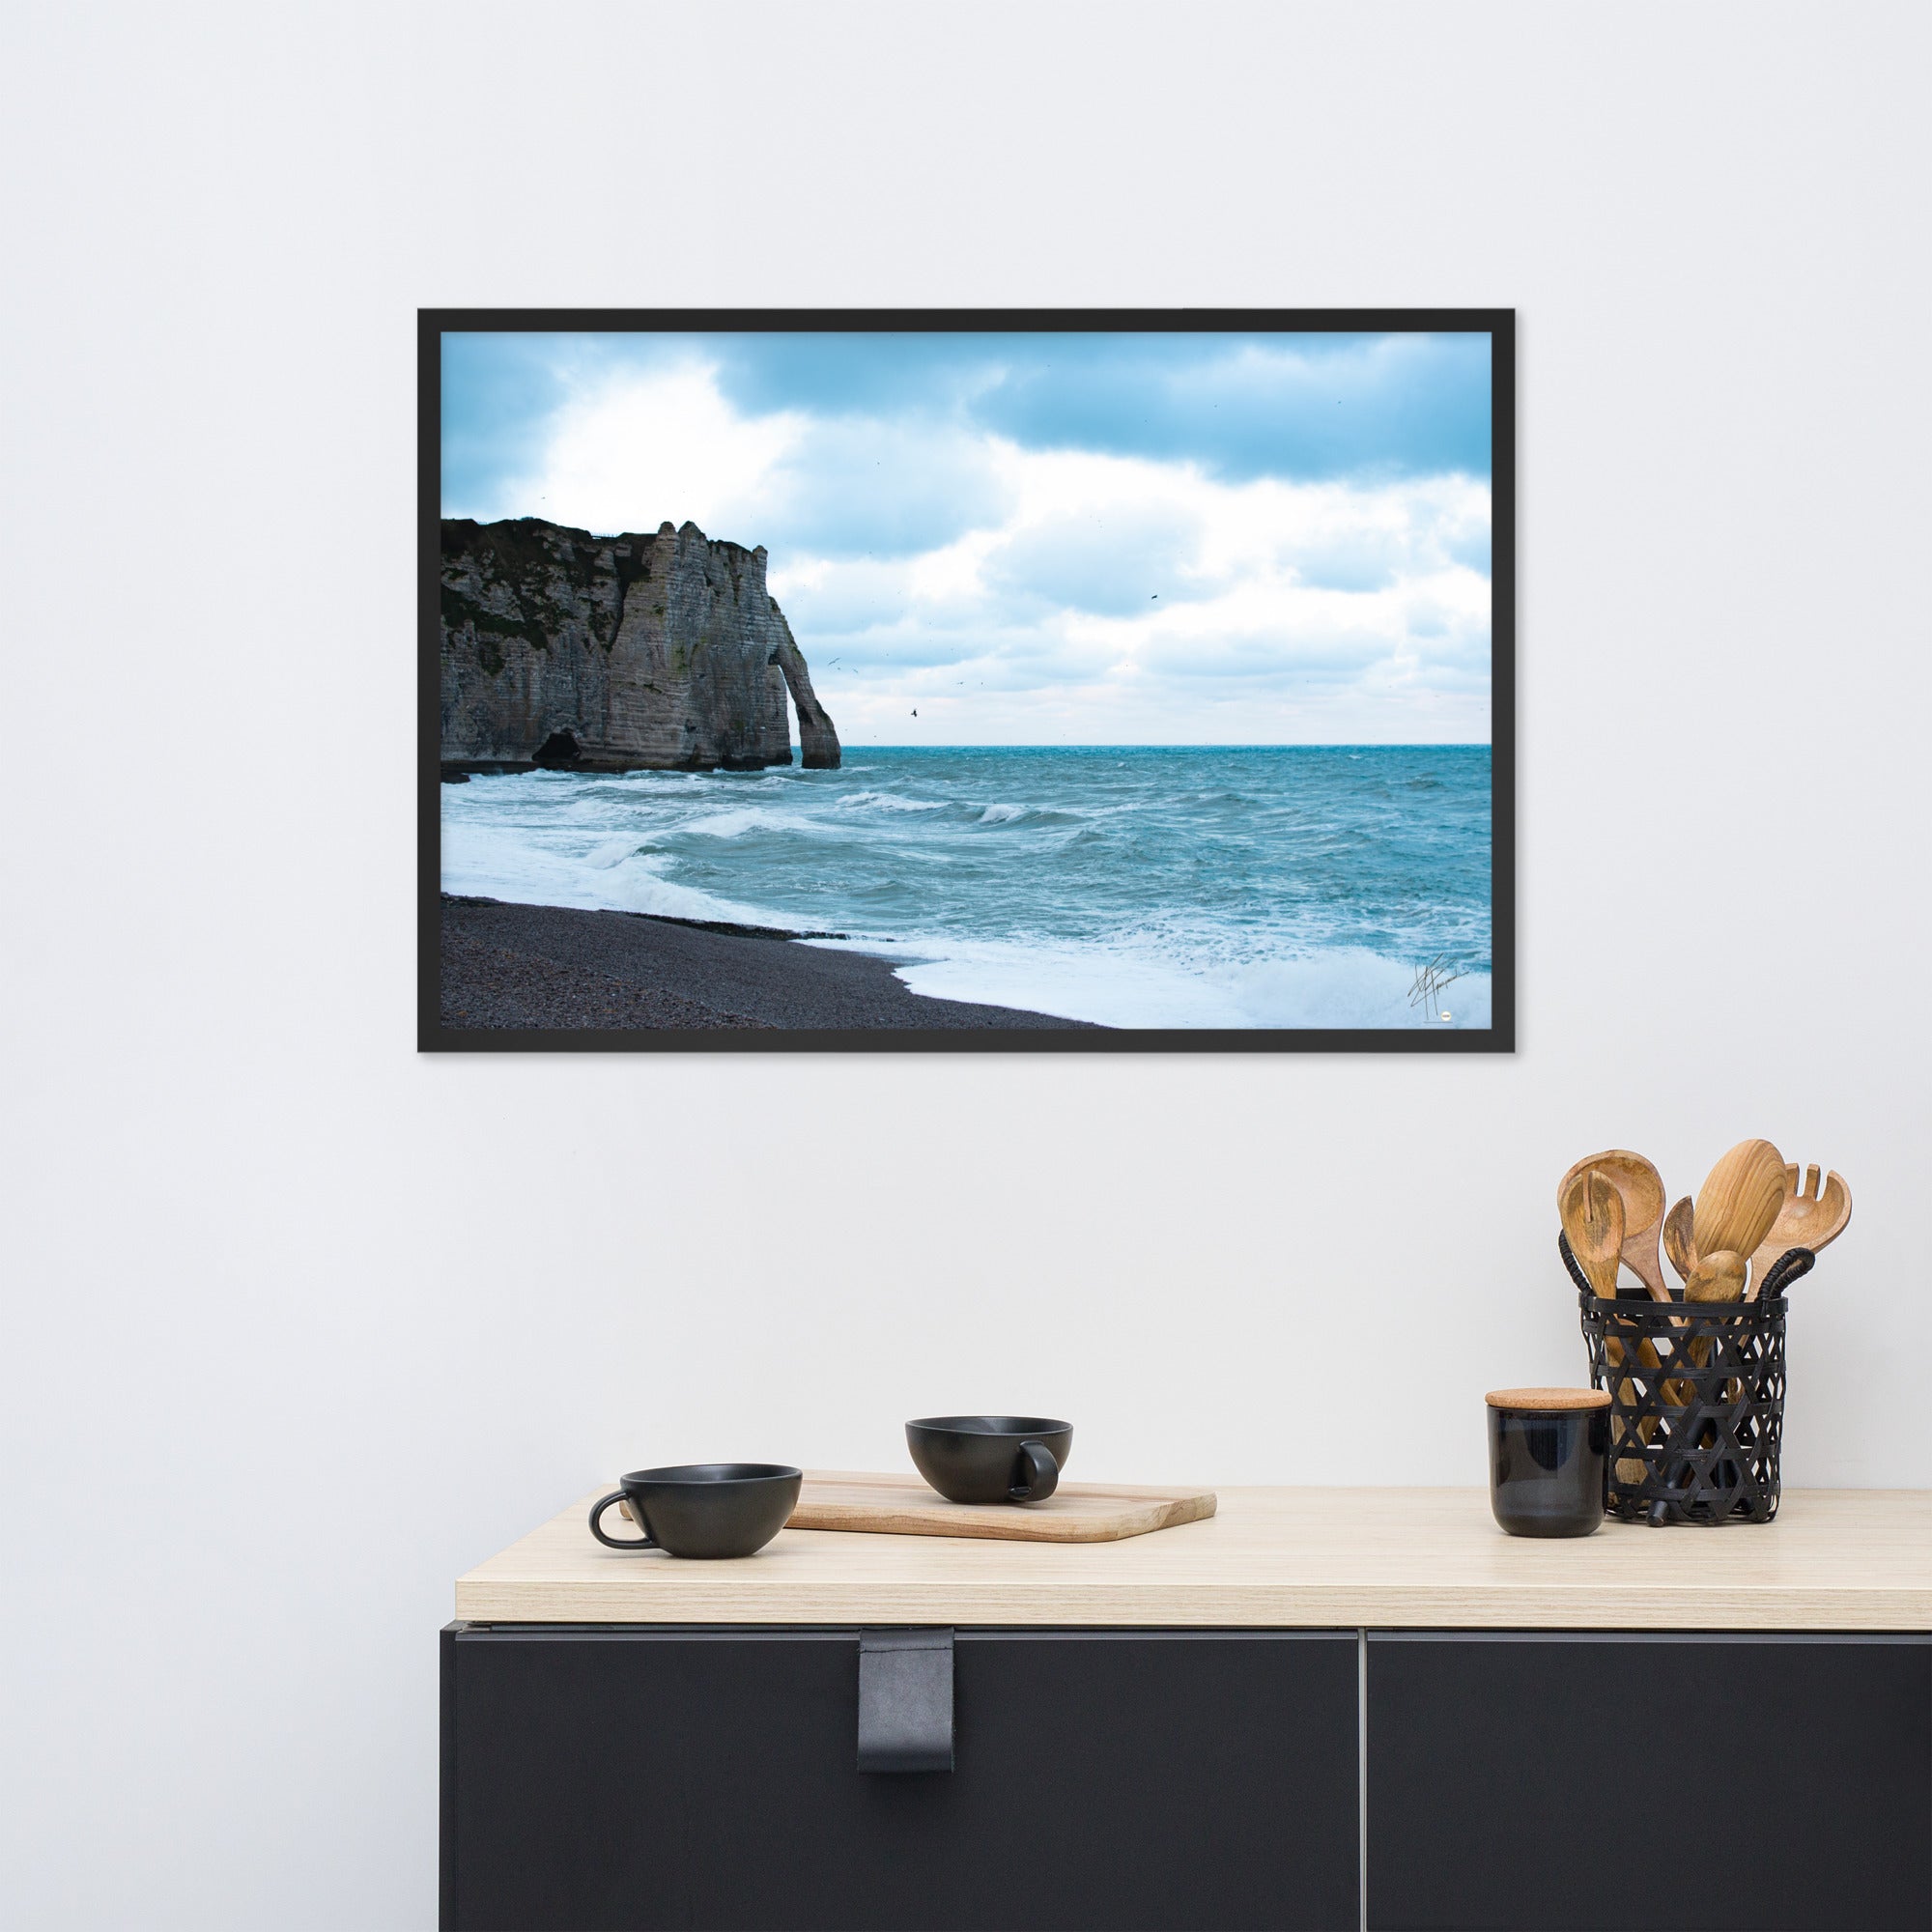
[1137,887]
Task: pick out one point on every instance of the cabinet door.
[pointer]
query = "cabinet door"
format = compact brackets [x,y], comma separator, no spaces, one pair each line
[605,1778]
[1578,1783]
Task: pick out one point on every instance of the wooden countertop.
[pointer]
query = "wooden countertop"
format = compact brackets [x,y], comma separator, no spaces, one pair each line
[1835,1559]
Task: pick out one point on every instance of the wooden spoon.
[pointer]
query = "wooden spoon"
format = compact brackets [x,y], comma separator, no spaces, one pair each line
[1717,1277]
[1641,1187]
[1680,1238]
[1739,1199]
[1808,1217]
[1593,1218]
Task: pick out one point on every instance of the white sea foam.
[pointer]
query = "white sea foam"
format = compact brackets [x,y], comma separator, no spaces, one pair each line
[1001,814]
[485,862]
[1071,982]
[1175,986]
[734,824]
[1348,986]
[612,852]
[884,801]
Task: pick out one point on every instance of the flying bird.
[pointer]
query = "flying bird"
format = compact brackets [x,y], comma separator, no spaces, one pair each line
[915,711]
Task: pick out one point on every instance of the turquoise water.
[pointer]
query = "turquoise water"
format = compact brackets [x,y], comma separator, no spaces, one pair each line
[1157,887]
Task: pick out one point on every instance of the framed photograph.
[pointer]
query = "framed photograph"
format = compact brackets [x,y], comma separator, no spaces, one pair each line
[1037,681]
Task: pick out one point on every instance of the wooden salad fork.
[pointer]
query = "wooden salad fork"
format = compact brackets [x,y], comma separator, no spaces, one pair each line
[1590,1205]
[1811,1215]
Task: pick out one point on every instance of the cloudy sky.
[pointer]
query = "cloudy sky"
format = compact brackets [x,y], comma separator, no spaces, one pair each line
[1046,538]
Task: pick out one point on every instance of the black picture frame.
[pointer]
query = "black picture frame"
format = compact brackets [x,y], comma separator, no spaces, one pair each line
[1499,1037]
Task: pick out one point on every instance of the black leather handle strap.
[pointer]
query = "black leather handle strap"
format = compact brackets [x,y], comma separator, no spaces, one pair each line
[905,1700]
[1791,1265]
[1571,1261]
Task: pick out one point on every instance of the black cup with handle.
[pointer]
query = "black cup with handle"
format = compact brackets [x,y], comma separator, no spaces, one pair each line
[990,1458]
[702,1509]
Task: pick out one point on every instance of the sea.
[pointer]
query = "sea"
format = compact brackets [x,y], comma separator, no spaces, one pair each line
[1157,887]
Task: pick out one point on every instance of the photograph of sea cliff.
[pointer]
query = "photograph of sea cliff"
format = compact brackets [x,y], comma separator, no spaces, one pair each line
[1045,687]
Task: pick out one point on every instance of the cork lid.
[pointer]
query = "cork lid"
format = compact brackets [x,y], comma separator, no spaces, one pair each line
[1549,1401]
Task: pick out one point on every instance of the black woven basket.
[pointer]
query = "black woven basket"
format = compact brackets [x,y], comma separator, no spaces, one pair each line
[1696,1400]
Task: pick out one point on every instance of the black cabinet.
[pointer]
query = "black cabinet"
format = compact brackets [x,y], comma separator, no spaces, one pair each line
[1576,1782]
[604,1778]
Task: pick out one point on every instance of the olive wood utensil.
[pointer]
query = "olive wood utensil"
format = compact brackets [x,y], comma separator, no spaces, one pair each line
[1592,1210]
[1810,1216]
[1717,1277]
[1739,1201]
[1680,1240]
[1734,1212]
[1641,1189]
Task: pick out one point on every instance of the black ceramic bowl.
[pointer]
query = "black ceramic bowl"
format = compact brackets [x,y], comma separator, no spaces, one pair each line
[990,1458]
[703,1509]
[1548,1459]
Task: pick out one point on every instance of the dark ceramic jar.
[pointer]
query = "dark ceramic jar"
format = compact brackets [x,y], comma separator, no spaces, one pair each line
[1549,1459]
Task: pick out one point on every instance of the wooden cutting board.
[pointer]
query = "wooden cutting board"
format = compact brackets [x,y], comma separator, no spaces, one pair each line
[1075,1513]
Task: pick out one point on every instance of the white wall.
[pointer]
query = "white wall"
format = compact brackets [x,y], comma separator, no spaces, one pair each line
[300,1325]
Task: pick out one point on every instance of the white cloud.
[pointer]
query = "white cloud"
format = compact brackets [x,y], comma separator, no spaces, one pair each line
[631,451]
[1016,595]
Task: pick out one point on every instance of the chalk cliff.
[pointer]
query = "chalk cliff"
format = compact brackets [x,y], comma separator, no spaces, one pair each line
[665,652]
